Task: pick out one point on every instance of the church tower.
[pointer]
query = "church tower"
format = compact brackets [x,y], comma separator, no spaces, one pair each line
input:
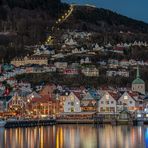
[138,85]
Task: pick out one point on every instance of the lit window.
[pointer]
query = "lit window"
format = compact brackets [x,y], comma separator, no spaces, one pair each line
[72,98]
[139,115]
[125,97]
[107,97]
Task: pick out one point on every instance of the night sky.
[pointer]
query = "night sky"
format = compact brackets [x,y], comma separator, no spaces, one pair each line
[137,9]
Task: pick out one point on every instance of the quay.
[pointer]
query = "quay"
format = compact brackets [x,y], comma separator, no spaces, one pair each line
[92,121]
[29,123]
[50,122]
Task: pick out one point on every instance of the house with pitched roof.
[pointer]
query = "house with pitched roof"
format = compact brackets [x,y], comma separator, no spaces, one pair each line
[130,101]
[107,103]
[71,103]
[126,102]
[89,103]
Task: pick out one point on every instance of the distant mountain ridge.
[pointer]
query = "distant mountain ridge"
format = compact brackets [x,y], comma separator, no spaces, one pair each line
[100,19]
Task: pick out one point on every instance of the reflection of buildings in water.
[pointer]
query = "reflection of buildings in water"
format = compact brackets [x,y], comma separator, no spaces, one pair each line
[118,136]
[59,138]
[28,137]
[107,137]
[88,137]
[75,136]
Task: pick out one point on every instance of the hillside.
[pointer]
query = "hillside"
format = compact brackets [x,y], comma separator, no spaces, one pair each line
[96,19]
[29,22]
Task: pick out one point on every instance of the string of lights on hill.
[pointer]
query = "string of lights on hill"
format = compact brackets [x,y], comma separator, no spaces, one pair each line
[60,20]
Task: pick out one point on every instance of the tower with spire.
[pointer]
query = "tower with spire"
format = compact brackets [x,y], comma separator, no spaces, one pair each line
[138,85]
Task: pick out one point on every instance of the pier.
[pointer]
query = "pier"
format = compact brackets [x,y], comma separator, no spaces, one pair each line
[29,123]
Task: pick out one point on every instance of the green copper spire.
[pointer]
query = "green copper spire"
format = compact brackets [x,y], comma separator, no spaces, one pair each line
[138,80]
[138,74]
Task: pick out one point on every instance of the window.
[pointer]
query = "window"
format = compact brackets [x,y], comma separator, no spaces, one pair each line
[107,109]
[72,109]
[101,109]
[112,102]
[107,102]
[102,102]
[107,97]
[140,102]
[125,97]
[72,98]
[112,109]
[131,102]
[72,103]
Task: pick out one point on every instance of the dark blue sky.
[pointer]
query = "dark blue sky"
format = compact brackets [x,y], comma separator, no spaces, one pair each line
[137,9]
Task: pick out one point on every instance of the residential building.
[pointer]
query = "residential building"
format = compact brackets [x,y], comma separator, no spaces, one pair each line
[90,71]
[88,103]
[71,103]
[48,91]
[61,65]
[124,63]
[121,72]
[129,101]
[107,104]
[39,60]
[71,71]
[44,106]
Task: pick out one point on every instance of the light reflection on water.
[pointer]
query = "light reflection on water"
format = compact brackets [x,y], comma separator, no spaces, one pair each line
[75,136]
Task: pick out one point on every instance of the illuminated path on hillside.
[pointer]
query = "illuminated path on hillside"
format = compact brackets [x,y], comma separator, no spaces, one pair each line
[60,20]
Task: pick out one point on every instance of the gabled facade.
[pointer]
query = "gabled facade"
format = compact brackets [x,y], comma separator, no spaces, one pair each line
[88,103]
[17,103]
[48,91]
[126,102]
[107,104]
[72,104]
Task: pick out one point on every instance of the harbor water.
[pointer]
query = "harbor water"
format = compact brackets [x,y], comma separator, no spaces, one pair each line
[75,136]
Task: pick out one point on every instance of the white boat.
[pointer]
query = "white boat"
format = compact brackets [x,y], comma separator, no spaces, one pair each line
[2,123]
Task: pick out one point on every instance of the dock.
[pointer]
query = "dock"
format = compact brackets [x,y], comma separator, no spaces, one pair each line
[74,121]
[29,123]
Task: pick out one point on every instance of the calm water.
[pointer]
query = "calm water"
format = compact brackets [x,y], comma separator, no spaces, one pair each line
[75,136]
